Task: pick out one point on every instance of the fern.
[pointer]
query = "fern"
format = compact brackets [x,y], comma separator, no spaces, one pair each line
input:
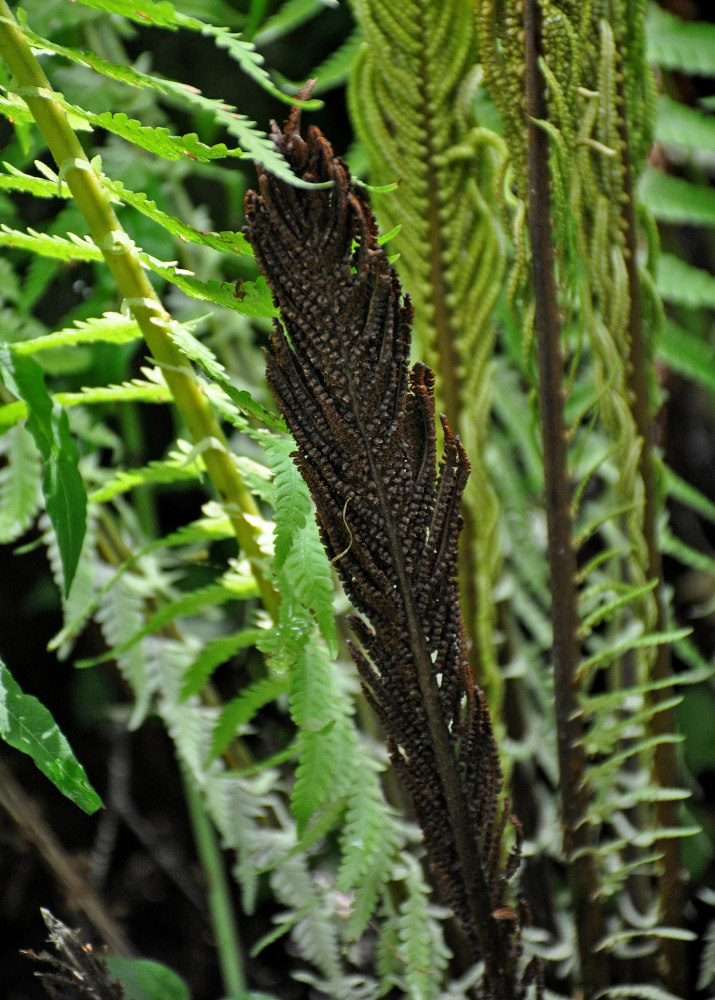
[683,284]
[306,810]
[677,44]
[684,127]
[19,483]
[412,102]
[673,199]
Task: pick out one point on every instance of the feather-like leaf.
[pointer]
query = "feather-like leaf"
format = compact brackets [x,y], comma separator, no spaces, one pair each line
[20,477]
[674,199]
[291,505]
[675,43]
[679,125]
[62,485]
[366,447]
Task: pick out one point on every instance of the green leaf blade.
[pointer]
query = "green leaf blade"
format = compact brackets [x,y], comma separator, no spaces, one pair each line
[28,726]
[62,485]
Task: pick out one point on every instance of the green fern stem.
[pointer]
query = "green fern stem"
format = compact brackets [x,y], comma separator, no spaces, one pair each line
[219,893]
[153,320]
[663,721]
[561,554]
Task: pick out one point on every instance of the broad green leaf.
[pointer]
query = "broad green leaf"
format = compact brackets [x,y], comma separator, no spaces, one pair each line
[27,725]
[65,496]
[143,979]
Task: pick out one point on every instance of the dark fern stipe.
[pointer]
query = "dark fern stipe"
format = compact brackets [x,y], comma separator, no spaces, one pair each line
[365,429]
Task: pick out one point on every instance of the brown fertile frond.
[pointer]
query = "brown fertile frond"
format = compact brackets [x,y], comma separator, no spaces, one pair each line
[364,424]
[80,973]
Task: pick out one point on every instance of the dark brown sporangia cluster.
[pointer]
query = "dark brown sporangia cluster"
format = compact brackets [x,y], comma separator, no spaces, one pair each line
[364,424]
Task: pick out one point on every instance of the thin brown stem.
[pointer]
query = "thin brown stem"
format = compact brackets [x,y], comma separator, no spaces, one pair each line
[561,554]
[79,894]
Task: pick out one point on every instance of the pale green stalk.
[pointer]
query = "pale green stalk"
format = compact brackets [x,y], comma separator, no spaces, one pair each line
[228,944]
[153,320]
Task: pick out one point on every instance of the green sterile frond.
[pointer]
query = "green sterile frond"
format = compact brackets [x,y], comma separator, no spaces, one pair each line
[369,842]
[238,712]
[326,739]
[421,952]
[40,187]
[111,328]
[334,71]
[630,640]
[676,44]
[214,653]
[290,15]
[706,971]
[657,931]
[224,242]
[17,112]
[308,573]
[613,727]
[215,526]
[178,466]
[252,140]
[606,609]
[254,298]
[57,247]
[237,583]
[369,890]
[310,921]
[121,611]
[687,494]
[164,15]
[639,991]
[687,555]
[685,127]
[674,199]
[159,140]
[683,284]
[291,505]
[137,390]
[412,99]
[20,478]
